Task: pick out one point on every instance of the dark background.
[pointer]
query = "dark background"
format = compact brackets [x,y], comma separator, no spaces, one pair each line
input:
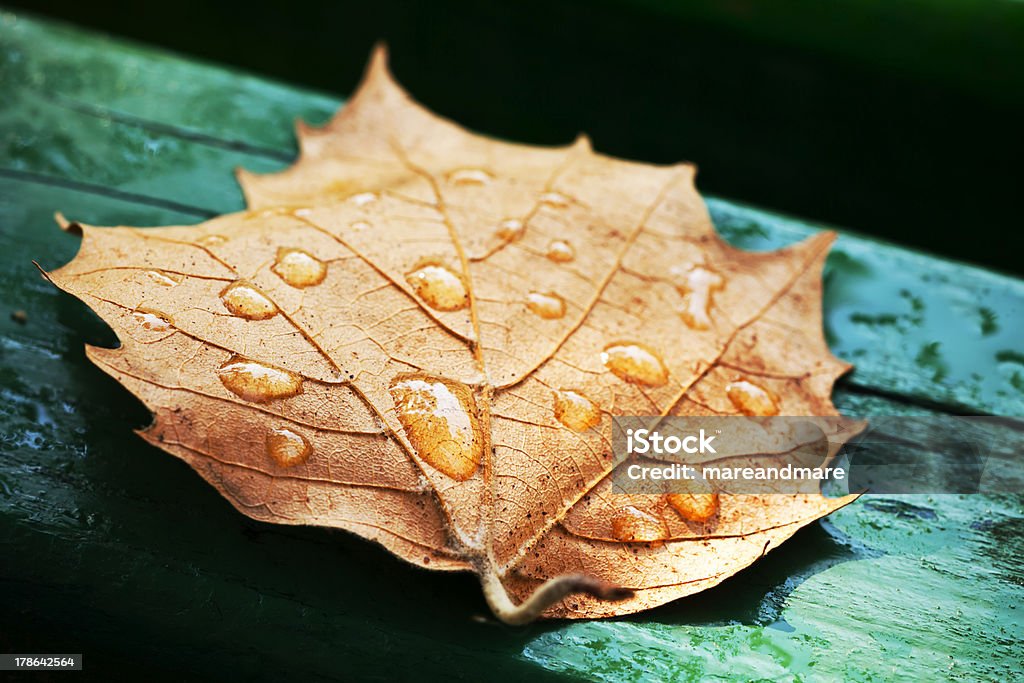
[897,118]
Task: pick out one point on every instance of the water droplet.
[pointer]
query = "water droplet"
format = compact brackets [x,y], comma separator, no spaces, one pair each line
[694,507]
[258,382]
[549,306]
[635,363]
[469,176]
[364,198]
[561,251]
[288,448]
[439,287]
[359,226]
[163,278]
[751,399]
[212,240]
[439,417]
[299,268]
[696,285]
[554,199]
[633,524]
[576,411]
[303,212]
[154,321]
[510,229]
[247,301]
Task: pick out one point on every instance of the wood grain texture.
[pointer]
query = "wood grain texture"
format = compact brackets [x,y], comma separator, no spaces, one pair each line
[107,541]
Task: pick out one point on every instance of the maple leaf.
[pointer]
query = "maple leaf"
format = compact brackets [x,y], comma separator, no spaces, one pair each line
[420,335]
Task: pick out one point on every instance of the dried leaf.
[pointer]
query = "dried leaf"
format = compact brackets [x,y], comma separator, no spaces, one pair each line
[420,335]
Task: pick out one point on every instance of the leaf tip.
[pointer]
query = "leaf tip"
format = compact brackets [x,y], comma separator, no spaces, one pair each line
[583,143]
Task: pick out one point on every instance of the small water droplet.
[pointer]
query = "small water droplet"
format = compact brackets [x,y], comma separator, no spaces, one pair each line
[439,287]
[439,418]
[288,448]
[247,301]
[299,268]
[752,399]
[163,278]
[364,198]
[212,240]
[510,229]
[696,284]
[561,251]
[302,212]
[258,382]
[549,305]
[635,363]
[635,525]
[576,411]
[154,321]
[694,507]
[469,176]
[359,226]
[556,200]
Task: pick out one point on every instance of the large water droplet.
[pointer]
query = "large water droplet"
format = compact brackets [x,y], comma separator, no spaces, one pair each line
[752,399]
[549,305]
[561,251]
[469,176]
[439,287]
[576,411]
[635,525]
[635,363]
[364,198]
[439,418]
[299,268]
[288,448]
[694,507]
[696,285]
[258,382]
[555,200]
[154,321]
[247,301]
[163,278]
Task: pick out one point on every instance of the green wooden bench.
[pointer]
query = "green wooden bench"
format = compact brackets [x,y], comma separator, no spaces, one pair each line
[114,549]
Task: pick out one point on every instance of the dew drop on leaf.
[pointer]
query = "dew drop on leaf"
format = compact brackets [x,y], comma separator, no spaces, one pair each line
[439,287]
[549,306]
[288,448]
[299,268]
[694,507]
[469,176]
[696,285]
[364,198]
[439,418]
[258,382]
[576,411]
[212,240]
[751,399]
[632,524]
[247,301]
[163,278]
[510,229]
[154,321]
[561,251]
[635,363]
[555,200]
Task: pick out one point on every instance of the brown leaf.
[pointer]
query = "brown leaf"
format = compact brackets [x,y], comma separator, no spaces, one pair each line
[420,335]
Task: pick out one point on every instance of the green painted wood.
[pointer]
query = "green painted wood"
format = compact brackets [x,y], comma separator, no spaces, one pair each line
[111,546]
